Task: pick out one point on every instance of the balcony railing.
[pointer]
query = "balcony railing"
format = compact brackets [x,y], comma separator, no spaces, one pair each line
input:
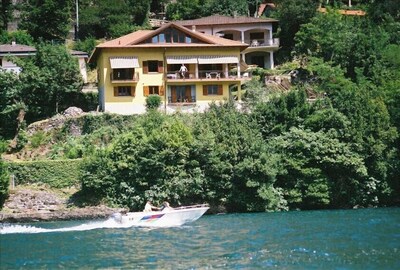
[134,78]
[202,75]
[273,42]
[182,100]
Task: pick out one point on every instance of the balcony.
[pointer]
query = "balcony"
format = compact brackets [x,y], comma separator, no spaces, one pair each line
[273,42]
[127,77]
[257,45]
[209,75]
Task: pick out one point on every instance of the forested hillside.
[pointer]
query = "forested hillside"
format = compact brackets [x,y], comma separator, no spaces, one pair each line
[278,150]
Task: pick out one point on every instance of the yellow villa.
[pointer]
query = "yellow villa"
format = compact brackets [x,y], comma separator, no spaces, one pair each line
[187,69]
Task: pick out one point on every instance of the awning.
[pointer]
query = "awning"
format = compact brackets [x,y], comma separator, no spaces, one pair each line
[124,62]
[212,59]
[181,59]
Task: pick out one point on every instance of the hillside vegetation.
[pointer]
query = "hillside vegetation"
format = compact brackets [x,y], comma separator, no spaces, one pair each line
[329,140]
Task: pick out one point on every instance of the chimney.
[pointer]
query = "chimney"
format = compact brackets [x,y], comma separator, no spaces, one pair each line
[194,28]
[13,43]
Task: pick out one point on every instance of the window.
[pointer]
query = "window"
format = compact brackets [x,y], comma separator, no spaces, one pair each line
[123,74]
[153,90]
[212,90]
[172,35]
[124,91]
[153,66]
[161,38]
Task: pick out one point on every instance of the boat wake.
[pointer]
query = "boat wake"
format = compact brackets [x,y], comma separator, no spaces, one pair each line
[17,228]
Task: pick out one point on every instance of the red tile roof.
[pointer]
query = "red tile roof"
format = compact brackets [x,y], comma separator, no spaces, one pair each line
[136,39]
[219,19]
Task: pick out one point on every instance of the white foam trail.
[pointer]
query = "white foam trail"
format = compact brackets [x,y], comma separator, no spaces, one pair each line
[110,223]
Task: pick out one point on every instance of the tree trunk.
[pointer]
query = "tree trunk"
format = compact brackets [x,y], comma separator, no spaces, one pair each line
[20,120]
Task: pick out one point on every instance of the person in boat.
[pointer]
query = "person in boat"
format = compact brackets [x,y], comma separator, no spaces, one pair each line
[165,206]
[149,207]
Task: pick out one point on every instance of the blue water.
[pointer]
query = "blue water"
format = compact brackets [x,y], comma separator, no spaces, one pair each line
[340,239]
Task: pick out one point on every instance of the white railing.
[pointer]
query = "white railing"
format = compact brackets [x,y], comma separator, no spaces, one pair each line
[273,42]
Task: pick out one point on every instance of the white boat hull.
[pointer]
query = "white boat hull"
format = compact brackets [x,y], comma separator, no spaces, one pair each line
[166,218]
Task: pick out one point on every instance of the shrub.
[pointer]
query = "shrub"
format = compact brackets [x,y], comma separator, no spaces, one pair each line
[153,102]
[55,173]
[3,183]
[38,139]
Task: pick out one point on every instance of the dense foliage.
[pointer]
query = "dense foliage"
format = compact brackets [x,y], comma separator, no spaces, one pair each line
[54,173]
[4,182]
[46,19]
[48,83]
[282,150]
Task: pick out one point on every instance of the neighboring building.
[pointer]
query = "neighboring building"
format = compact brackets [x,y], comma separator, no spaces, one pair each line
[82,59]
[256,32]
[19,50]
[266,8]
[16,50]
[148,62]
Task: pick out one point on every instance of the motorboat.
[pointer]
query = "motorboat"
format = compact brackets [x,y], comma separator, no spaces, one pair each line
[168,217]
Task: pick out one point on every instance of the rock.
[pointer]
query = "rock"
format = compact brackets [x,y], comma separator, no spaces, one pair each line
[72,112]
[40,205]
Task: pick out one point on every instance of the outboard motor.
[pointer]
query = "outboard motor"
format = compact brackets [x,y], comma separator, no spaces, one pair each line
[117,217]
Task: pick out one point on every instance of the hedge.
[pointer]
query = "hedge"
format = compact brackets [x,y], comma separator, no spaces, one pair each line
[55,173]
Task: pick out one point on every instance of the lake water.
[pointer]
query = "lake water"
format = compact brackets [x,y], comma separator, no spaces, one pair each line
[339,239]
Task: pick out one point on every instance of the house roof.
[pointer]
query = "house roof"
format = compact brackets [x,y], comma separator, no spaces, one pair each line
[220,20]
[346,12]
[16,49]
[136,39]
[79,53]
[264,6]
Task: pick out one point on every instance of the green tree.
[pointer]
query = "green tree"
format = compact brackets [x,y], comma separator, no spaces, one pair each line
[19,36]
[10,88]
[240,170]
[183,10]
[319,171]
[281,113]
[48,83]
[291,15]
[6,13]
[4,182]
[227,7]
[153,102]
[111,19]
[139,10]
[352,43]
[46,19]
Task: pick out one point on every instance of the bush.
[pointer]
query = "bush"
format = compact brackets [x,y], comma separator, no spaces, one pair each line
[3,145]
[153,102]
[38,139]
[55,173]
[3,183]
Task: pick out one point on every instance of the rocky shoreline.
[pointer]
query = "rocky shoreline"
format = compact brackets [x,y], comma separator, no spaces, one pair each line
[27,205]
